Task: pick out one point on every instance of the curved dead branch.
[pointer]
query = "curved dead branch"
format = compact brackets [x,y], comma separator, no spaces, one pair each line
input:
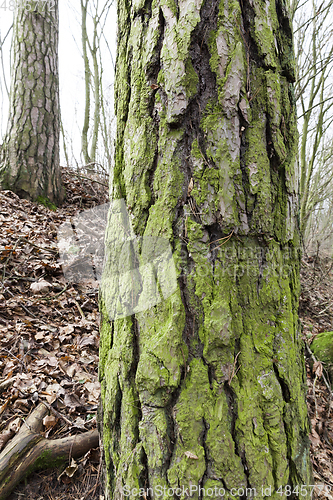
[29,451]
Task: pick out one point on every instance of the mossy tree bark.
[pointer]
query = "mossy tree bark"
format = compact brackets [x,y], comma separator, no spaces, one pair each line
[29,158]
[207,387]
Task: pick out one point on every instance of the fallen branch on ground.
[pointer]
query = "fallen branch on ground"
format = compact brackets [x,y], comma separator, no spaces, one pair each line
[29,451]
[89,179]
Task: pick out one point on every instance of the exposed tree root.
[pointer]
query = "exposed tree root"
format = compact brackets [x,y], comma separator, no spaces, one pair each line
[29,451]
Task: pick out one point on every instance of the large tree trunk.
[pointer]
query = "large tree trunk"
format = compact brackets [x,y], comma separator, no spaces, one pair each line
[203,383]
[29,160]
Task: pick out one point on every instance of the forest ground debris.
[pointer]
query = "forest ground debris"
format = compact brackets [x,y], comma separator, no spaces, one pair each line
[48,352]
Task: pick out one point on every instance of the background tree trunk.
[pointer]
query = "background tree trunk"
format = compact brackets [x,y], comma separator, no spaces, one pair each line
[29,161]
[87,82]
[206,387]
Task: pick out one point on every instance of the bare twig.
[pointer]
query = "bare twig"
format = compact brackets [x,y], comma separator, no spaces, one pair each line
[89,179]
[95,163]
[23,278]
[80,310]
[97,480]
[21,305]
[51,297]
[233,374]
[314,395]
[45,249]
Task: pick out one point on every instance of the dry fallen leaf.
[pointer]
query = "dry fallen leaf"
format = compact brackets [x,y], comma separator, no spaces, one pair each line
[22,404]
[318,368]
[49,421]
[79,423]
[67,329]
[94,389]
[87,340]
[52,392]
[40,286]
[314,438]
[190,187]
[5,436]
[8,369]
[15,425]
[52,361]
[72,401]
[70,470]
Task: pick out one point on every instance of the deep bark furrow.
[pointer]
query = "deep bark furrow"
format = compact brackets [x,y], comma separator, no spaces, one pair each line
[206,451]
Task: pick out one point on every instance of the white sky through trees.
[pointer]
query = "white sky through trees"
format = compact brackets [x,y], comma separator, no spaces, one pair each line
[71,68]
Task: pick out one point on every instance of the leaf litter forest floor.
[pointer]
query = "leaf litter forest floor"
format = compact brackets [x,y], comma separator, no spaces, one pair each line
[49,341]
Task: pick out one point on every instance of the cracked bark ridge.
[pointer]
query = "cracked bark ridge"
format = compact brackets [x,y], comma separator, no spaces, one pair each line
[214,371]
[29,157]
